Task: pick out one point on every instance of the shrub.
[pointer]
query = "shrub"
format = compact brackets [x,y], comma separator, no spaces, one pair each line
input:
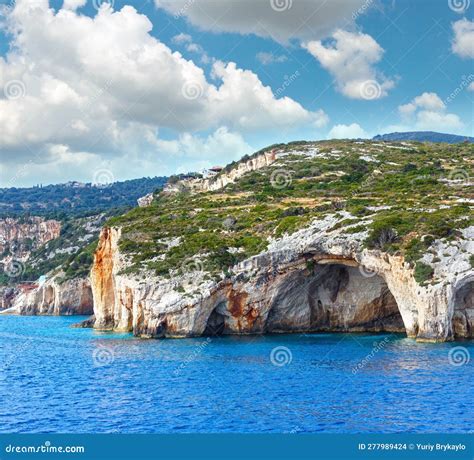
[381,236]
[423,272]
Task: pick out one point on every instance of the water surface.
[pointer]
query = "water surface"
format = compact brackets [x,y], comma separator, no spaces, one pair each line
[54,378]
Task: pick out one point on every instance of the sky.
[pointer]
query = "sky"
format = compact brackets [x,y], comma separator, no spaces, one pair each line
[101,91]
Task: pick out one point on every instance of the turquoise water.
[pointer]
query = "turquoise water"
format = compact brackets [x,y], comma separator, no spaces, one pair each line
[57,379]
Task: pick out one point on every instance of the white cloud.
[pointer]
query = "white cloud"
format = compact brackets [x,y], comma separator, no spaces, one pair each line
[350,58]
[270,58]
[281,20]
[73,4]
[428,101]
[243,96]
[471,87]
[186,41]
[463,41]
[84,82]
[353,131]
[427,112]
[182,38]
[143,154]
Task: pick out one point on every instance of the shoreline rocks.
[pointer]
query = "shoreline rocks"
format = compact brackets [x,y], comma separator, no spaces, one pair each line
[316,279]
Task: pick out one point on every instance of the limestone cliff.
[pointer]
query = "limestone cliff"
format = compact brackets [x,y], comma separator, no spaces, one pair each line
[36,258]
[22,236]
[307,236]
[313,280]
[221,180]
[52,297]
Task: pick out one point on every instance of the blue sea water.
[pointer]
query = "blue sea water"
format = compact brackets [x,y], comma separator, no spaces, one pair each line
[54,378]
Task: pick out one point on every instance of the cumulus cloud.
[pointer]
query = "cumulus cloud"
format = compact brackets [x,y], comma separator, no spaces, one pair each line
[281,20]
[471,87]
[186,41]
[189,152]
[427,112]
[270,58]
[352,131]
[351,59]
[463,41]
[73,4]
[427,101]
[104,86]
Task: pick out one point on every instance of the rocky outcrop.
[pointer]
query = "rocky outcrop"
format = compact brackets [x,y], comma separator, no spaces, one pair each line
[53,297]
[317,279]
[221,180]
[8,295]
[34,230]
[145,201]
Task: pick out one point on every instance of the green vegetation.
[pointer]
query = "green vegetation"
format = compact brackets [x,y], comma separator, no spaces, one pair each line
[401,192]
[423,272]
[74,199]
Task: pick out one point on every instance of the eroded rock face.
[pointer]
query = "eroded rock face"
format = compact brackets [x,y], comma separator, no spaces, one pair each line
[317,279]
[463,318]
[219,182]
[37,229]
[22,236]
[72,297]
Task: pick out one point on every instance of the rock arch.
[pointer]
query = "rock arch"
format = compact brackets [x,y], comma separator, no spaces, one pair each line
[463,308]
[334,295]
[311,295]
[216,322]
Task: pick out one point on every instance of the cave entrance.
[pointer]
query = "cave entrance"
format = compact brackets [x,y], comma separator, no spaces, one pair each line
[337,297]
[215,324]
[463,315]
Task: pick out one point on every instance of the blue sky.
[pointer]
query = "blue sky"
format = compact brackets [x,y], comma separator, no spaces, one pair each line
[143,88]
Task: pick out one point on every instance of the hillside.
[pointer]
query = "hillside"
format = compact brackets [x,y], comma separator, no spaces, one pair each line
[55,228]
[344,236]
[75,199]
[424,136]
[398,192]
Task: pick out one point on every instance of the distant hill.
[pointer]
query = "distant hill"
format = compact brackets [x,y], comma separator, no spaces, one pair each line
[75,198]
[424,136]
